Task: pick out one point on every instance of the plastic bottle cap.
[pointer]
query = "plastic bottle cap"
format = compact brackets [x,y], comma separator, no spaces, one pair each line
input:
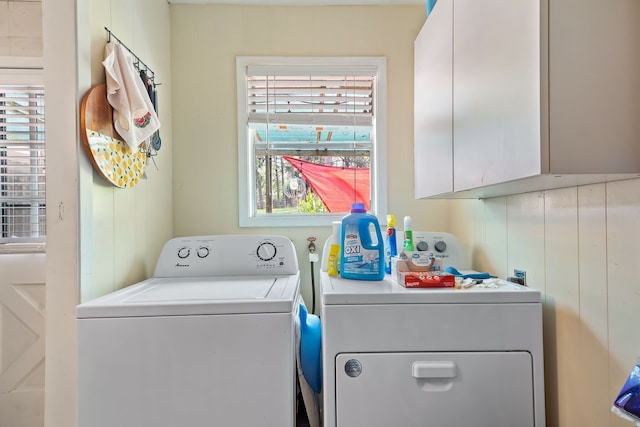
[407,223]
[357,208]
[336,232]
[391,221]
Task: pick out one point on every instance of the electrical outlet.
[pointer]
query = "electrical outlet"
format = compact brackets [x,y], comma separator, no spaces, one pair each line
[521,275]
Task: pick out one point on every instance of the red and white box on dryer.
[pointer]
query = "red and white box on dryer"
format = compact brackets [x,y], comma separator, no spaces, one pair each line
[419,273]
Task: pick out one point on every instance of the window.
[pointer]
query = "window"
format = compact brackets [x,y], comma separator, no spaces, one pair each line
[311,139]
[22,162]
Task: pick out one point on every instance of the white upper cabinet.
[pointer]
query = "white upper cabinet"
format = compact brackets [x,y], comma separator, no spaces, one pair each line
[540,94]
[433,79]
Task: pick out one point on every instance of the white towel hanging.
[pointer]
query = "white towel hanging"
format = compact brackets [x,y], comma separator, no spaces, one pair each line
[133,114]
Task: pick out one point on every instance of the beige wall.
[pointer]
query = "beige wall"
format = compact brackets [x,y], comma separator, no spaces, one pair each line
[206,40]
[21,28]
[580,246]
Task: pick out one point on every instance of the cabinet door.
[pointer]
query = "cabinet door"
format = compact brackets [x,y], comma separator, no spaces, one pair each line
[496,91]
[433,128]
[594,65]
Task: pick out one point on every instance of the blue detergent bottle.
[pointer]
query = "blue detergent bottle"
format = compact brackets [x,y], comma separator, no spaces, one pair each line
[362,247]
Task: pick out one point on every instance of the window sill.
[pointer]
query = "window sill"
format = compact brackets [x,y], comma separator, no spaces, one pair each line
[274,220]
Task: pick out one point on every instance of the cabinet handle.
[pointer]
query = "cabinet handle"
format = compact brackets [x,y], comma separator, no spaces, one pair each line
[434,369]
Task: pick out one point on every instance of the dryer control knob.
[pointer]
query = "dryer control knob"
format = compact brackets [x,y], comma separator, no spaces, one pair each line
[422,246]
[441,246]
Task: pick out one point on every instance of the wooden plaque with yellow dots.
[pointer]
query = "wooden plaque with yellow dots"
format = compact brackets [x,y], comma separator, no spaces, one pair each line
[109,154]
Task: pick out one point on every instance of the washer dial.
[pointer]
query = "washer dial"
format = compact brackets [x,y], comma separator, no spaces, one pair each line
[183,252]
[266,251]
[202,252]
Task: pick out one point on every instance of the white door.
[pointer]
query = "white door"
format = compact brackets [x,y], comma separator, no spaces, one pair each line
[22,274]
[22,334]
[479,389]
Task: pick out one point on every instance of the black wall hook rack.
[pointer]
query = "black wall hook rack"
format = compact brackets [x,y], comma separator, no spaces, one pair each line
[137,62]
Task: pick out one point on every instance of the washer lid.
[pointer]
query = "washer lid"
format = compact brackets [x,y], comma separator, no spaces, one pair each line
[338,291]
[197,296]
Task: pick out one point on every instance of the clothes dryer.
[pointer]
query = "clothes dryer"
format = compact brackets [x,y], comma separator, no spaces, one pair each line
[442,357]
[208,340]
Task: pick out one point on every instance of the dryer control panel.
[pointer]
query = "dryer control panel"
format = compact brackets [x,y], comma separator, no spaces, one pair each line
[438,245]
[227,255]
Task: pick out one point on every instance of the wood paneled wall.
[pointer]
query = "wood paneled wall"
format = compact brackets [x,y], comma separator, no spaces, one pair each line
[580,246]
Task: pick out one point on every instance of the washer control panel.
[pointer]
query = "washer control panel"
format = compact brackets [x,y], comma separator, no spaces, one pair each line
[227,255]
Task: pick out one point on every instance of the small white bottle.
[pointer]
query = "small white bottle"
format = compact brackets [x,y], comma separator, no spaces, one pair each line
[408,235]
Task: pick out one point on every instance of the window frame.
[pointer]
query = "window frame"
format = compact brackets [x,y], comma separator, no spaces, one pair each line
[27,72]
[246,171]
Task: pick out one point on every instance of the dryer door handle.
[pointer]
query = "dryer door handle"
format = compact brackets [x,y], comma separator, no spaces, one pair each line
[435,369]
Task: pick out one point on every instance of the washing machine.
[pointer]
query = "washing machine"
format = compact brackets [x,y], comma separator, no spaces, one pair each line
[209,340]
[436,357]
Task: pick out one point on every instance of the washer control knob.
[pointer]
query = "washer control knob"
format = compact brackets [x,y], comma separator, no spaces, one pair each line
[422,246]
[202,252]
[266,251]
[441,246]
[183,252]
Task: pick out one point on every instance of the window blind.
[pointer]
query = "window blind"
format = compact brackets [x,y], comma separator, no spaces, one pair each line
[323,100]
[22,164]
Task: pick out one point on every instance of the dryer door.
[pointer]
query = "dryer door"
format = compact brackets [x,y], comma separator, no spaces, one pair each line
[480,389]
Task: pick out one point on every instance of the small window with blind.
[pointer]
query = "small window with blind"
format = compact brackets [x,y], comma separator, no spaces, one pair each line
[311,139]
[22,163]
